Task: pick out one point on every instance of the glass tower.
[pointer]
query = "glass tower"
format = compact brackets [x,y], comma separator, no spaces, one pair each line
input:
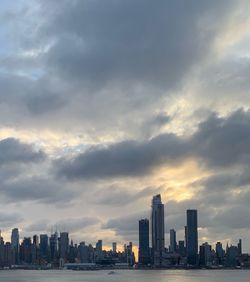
[192,237]
[158,230]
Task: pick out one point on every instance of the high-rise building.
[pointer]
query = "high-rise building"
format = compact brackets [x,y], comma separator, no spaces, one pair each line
[15,245]
[53,243]
[98,250]
[240,247]
[98,245]
[130,254]
[144,251]
[114,247]
[8,254]
[25,251]
[1,251]
[173,244]
[205,254]
[36,240]
[181,248]
[64,245]
[44,246]
[192,237]
[158,230]
[220,253]
[83,253]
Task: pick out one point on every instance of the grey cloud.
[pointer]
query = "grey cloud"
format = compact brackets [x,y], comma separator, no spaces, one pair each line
[14,151]
[117,196]
[69,224]
[92,55]
[225,181]
[36,189]
[44,103]
[218,142]
[128,158]
[227,77]
[134,41]
[224,141]
[28,95]
[126,226]
[235,217]
[8,220]
[153,125]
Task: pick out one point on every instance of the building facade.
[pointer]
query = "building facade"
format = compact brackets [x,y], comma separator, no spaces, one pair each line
[192,237]
[158,230]
[144,251]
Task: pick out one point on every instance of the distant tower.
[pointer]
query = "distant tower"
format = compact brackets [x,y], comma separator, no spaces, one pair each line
[192,237]
[172,241]
[158,230]
[15,245]
[144,251]
[114,247]
[240,247]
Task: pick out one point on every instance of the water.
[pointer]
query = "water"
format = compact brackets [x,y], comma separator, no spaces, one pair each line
[126,276]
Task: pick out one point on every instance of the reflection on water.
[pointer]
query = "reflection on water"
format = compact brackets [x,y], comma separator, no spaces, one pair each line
[126,276]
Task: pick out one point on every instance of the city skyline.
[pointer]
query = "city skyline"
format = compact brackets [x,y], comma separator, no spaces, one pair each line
[106,103]
[58,250]
[157,217]
[153,229]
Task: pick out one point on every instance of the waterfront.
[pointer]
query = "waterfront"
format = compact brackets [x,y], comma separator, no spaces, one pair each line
[126,276]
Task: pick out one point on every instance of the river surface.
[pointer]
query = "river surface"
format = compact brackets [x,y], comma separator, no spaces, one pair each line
[125,276]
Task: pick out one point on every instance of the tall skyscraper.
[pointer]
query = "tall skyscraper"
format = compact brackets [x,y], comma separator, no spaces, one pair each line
[158,230]
[173,243]
[15,247]
[192,237]
[64,245]
[144,251]
[44,246]
[220,253]
[53,243]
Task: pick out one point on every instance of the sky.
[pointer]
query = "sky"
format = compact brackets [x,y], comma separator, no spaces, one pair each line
[104,104]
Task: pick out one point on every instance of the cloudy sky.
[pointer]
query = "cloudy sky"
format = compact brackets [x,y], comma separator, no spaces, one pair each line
[105,103]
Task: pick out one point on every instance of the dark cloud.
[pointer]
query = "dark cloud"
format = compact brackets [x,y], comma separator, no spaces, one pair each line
[128,158]
[224,141]
[218,142]
[139,42]
[14,151]
[78,64]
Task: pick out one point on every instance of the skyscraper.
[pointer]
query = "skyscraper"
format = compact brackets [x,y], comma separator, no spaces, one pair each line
[44,246]
[144,251]
[192,237]
[114,247]
[53,243]
[172,241]
[158,230]
[15,247]
[64,245]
